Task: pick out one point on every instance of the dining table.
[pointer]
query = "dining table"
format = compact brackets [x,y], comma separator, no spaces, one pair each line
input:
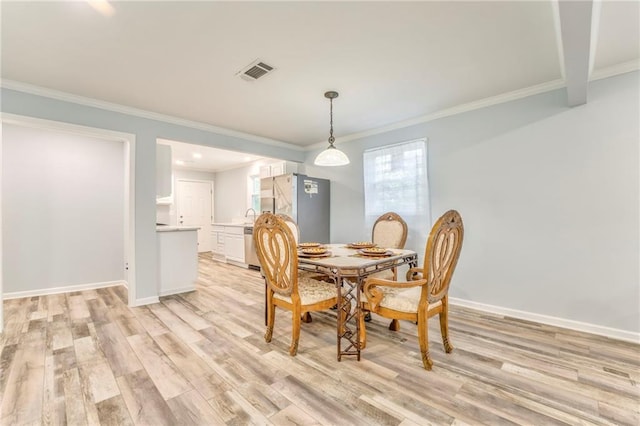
[348,265]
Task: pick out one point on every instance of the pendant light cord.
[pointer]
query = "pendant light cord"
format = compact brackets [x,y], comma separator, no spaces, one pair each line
[331,138]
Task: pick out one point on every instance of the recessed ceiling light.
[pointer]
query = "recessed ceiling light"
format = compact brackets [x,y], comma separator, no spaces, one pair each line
[180,162]
[102,6]
[197,155]
[247,158]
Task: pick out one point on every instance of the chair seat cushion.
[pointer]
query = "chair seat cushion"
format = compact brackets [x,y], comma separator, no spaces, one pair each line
[403,300]
[311,291]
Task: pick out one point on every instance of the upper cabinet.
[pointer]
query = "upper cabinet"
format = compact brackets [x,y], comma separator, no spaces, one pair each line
[278,168]
[164,187]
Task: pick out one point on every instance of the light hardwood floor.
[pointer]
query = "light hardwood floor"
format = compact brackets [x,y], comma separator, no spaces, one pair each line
[200,358]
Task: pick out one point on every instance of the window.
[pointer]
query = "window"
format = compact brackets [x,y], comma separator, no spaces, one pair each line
[255,192]
[395,179]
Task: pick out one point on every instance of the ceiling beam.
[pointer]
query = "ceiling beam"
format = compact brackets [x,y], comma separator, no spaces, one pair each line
[575,29]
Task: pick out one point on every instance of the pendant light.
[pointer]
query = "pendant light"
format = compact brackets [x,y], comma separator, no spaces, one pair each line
[331,156]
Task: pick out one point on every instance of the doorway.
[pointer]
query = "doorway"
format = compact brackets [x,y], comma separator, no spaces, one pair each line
[195,208]
[127,206]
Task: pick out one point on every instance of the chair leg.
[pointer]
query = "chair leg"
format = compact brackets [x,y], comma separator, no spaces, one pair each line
[295,333]
[444,325]
[271,317]
[394,325]
[423,339]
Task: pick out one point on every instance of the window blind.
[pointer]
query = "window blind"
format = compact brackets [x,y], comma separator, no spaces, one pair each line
[395,179]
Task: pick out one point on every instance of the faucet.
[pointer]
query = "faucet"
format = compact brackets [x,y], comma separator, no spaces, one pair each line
[246,214]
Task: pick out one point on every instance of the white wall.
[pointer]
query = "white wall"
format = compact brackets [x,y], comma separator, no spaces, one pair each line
[1,253]
[232,195]
[63,209]
[552,209]
[549,196]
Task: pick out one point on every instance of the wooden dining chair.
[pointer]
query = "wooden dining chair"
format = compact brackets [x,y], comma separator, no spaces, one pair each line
[425,293]
[278,255]
[389,231]
[295,229]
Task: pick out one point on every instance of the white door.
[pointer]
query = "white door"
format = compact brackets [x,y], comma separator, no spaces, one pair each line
[194,209]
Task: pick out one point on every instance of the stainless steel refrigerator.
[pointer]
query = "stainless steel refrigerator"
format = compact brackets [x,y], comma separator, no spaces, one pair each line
[305,199]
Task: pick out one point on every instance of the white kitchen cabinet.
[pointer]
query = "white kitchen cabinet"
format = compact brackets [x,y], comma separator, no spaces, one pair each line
[265,171]
[164,187]
[278,168]
[177,259]
[217,242]
[234,243]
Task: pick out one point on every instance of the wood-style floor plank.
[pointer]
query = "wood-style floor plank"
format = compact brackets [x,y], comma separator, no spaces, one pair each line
[53,409]
[73,398]
[144,401]
[23,399]
[200,358]
[162,371]
[192,367]
[113,412]
[292,416]
[117,349]
[190,408]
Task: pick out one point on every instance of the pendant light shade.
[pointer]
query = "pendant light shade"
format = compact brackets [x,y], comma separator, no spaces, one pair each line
[331,156]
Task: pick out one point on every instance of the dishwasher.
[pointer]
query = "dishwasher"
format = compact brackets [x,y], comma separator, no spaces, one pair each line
[250,255]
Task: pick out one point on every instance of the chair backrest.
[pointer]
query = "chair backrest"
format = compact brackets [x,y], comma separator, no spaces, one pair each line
[441,254]
[389,231]
[295,230]
[277,252]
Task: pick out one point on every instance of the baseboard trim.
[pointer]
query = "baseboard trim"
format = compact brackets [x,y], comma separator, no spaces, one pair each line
[612,333]
[147,301]
[236,263]
[58,290]
[177,290]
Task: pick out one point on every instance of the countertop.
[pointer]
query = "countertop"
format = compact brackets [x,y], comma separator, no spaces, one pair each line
[242,225]
[166,228]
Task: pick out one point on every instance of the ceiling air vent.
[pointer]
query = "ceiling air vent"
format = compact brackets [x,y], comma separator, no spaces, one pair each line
[255,70]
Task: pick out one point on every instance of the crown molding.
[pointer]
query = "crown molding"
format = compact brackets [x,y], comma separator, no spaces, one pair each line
[598,74]
[95,103]
[482,103]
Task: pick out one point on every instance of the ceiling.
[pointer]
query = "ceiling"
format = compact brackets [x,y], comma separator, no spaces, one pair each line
[391,62]
[194,157]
